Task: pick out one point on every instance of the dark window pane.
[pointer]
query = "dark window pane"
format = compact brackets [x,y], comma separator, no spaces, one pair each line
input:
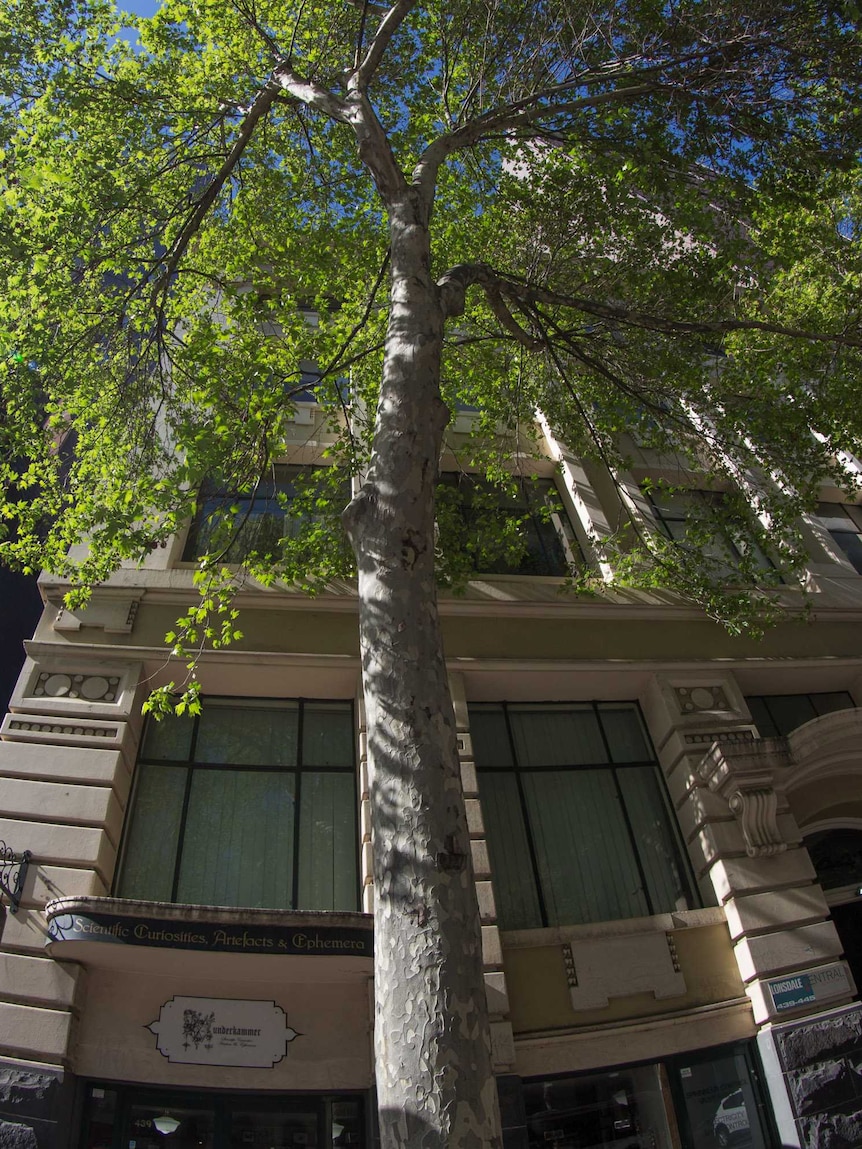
[490,736]
[246,822]
[259,736]
[531,503]
[828,703]
[151,843]
[584,852]
[624,733]
[237,848]
[761,717]
[327,842]
[170,739]
[567,736]
[568,843]
[235,524]
[657,844]
[514,882]
[779,714]
[836,856]
[790,711]
[327,734]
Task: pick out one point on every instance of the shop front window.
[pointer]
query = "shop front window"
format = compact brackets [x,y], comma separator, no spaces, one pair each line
[719,1103]
[709,1099]
[617,1109]
[578,824]
[141,1118]
[253,804]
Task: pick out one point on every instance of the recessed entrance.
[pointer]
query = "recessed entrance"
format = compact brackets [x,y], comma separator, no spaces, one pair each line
[125,1117]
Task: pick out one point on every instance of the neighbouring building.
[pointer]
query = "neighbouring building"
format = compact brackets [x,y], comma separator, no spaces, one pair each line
[667,837]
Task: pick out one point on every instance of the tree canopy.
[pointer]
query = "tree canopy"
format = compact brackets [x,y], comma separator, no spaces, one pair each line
[634,217]
[654,209]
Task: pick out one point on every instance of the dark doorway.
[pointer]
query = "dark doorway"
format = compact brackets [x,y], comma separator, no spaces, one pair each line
[848,923]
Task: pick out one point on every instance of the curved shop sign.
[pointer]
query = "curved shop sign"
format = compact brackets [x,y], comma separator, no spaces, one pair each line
[222,1031]
[115,929]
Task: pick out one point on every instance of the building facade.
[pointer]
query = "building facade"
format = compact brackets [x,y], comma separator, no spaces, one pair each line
[666,825]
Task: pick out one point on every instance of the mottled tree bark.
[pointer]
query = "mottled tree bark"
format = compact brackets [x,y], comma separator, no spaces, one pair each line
[434,1079]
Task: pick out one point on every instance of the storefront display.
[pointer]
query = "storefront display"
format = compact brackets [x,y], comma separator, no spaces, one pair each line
[128,1118]
[704,1100]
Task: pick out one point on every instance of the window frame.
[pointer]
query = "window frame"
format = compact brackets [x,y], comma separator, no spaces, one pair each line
[662,518]
[852,512]
[191,766]
[558,524]
[222,498]
[686,874]
[762,701]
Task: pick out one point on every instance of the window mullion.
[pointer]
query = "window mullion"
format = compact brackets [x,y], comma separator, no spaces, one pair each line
[297,796]
[181,838]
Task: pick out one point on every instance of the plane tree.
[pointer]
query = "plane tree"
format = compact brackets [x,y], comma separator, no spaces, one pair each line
[633,217]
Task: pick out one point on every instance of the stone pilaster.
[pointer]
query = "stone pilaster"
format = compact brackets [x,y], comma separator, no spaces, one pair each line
[745,844]
[66,757]
[502,1039]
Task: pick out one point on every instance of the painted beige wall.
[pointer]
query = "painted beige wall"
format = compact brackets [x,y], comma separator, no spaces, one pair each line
[539,996]
[333,1051]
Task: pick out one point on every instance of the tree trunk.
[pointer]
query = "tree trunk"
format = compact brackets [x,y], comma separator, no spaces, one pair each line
[433,1063]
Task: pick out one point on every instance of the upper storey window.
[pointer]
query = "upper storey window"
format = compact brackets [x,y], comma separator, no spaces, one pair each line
[778,714]
[843,521]
[253,803]
[521,530]
[578,823]
[675,513]
[237,524]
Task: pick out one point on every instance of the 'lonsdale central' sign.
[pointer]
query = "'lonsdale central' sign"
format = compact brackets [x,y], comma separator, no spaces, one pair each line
[115,929]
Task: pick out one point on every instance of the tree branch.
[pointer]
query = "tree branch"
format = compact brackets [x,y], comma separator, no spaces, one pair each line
[499,287]
[545,103]
[261,104]
[389,25]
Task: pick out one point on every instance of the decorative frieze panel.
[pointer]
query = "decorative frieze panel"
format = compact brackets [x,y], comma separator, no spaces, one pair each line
[693,699]
[57,685]
[63,731]
[598,969]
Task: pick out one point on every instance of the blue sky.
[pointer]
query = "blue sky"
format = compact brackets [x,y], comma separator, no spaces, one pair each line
[139,7]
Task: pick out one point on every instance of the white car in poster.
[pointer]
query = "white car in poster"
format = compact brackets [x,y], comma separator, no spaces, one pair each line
[731,1119]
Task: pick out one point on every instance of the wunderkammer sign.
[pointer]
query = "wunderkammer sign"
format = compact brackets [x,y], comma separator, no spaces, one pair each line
[117,929]
[222,1031]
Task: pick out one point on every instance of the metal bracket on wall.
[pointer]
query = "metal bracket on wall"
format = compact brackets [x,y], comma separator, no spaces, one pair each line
[13,873]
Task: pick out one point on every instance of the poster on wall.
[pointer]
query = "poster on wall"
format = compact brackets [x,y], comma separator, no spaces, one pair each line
[222,1031]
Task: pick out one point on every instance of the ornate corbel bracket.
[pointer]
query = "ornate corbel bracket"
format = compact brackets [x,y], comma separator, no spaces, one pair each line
[743,774]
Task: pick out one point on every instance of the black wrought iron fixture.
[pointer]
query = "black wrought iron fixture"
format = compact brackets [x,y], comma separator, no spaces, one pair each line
[13,873]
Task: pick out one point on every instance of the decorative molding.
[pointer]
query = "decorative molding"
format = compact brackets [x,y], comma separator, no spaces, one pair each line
[63,731]
[691,699]
[91,688]
[78,689]
[114,615]
[757,811]
[742,773]
[707,737]
[598,969]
